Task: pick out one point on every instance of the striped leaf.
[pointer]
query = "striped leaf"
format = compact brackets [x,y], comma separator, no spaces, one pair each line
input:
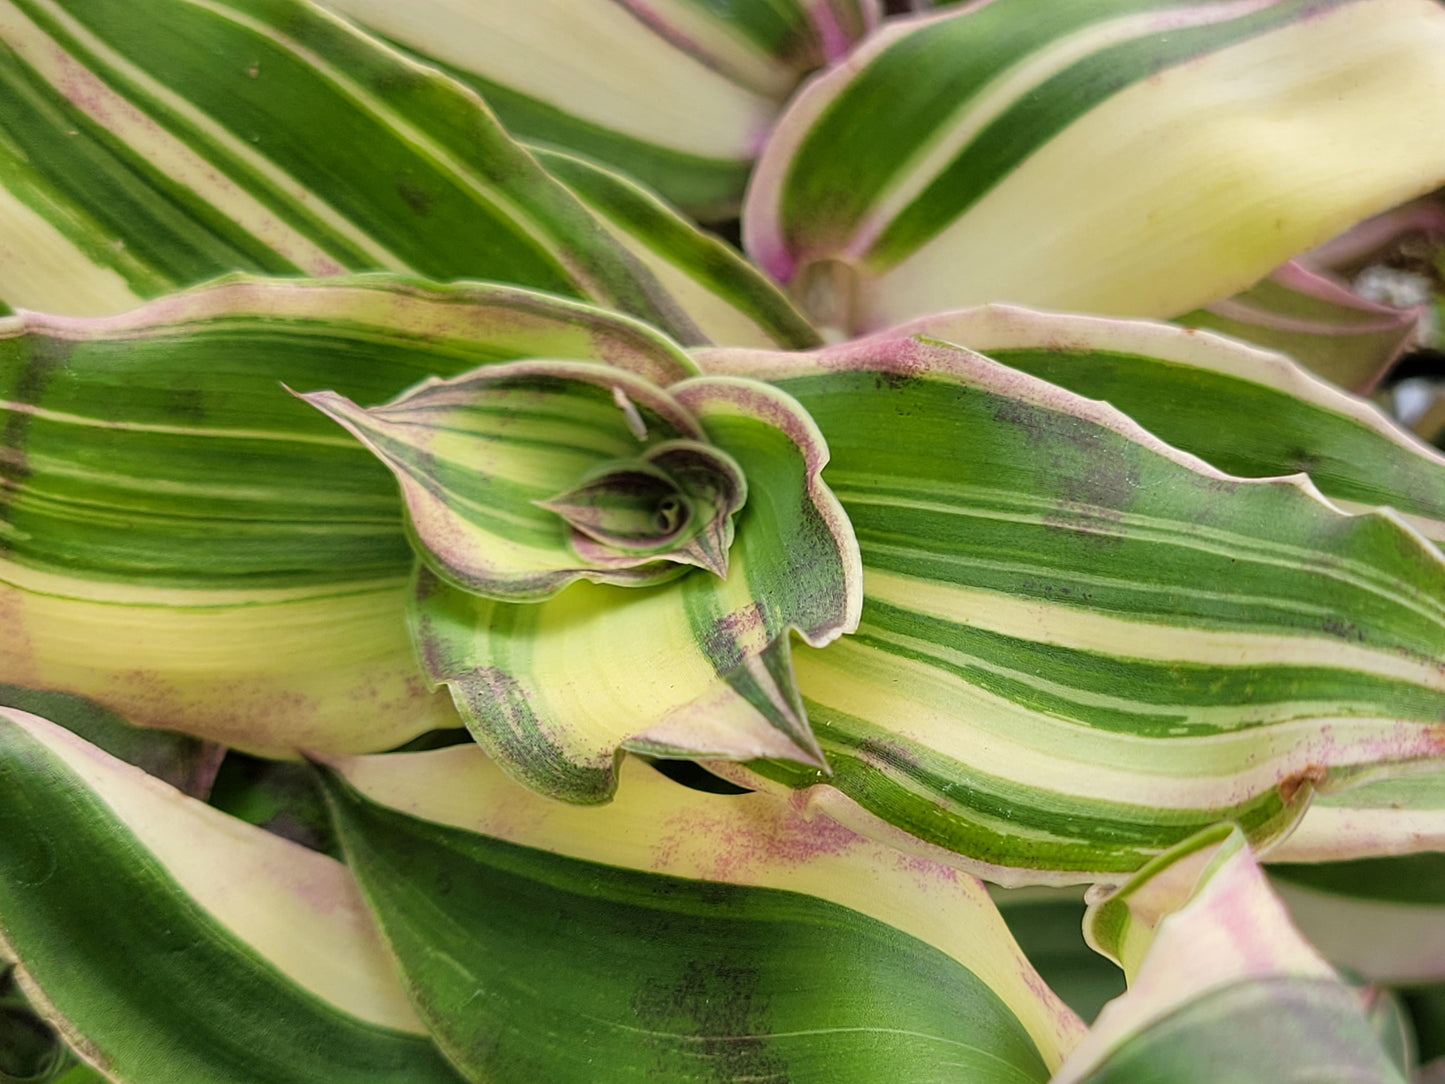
[1048,925]
[522,478]
[1180,386]
[1221,985]
[681,936]
[150,144]
[1404,815]
[677,93]
[1079,645]
[699,666]
[1382,918]
[183,541]
[1132,157]
[1317,320]
[731,301]
[1346,309]
[170,943]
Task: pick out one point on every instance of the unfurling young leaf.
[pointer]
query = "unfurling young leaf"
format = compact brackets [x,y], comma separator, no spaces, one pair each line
[695,667]
[1221,985]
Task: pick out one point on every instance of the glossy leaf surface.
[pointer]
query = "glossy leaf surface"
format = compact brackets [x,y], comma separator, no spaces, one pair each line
[681,935]
[1134,157]
[1079,645]
[152,145]
[261,961]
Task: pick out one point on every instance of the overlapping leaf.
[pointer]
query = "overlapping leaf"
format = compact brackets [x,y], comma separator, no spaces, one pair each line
[678,94]
[1318,321]
[261,960]
[1391,816]
[1134,157]
[194,547]
[1079,645]
[698,666]
[730,300]
[1346,309]
[150,145]
[681,935]
[1382,918]
[1221,986]
[1248,412]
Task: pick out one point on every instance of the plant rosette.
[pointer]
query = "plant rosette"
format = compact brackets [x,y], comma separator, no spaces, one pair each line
[685,516]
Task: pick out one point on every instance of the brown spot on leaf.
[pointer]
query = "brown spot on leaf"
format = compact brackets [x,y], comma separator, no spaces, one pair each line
[414,196]
[1311,774]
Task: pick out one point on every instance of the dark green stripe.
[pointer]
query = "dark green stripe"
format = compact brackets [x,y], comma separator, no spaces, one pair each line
[163,992]
[1051,107]
[992,819]
[431,216]
[75,223]
[1268,432]
[923,437]
[1159,694]
[1417,879]
[162,225]
[779,29]
[711,263]
[710,189]
[408,202]
[902,98]
[533,966]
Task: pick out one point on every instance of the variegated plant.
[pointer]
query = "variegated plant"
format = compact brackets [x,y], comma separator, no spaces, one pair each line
[388,508]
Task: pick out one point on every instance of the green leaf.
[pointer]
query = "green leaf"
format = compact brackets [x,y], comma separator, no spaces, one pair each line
[1222,988]
[1132,157]
[1178,385]
[260,960]
[675,93]
[1382,918]
[183,540]
[484,459]
[1389,816]
[1318,321]
[1079,645]
[681,935]
[152,144]
[730,300]
[696,667]
[1048,925]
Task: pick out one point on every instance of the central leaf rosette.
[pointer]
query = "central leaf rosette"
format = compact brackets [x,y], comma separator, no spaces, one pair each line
[613,556]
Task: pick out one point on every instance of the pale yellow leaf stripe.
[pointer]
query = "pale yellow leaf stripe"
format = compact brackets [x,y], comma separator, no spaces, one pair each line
[171,154]
[655,825]
[299,910]
[595,58]
[1274,94]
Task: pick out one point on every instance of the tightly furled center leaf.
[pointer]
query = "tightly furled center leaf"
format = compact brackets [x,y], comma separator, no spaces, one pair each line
[524,477]
[675,503]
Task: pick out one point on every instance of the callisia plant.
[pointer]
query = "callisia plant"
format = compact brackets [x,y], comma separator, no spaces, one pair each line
[464,619]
